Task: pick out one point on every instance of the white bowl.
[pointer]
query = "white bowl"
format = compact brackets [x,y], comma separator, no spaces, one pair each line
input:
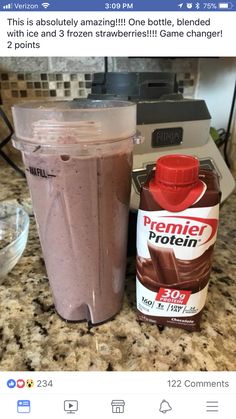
[14,228]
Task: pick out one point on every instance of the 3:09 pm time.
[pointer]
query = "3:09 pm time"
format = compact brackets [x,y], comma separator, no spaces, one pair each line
[119,6]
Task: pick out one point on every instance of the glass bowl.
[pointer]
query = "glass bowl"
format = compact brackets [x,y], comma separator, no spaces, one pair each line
[14,228]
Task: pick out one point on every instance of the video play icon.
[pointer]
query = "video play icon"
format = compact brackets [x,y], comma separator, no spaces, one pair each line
[70,406]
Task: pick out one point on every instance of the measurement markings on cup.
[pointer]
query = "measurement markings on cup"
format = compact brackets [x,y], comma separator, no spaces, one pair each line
[36,171]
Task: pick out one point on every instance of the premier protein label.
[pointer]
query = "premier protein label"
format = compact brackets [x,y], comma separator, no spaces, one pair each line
[174,253]
[187,234]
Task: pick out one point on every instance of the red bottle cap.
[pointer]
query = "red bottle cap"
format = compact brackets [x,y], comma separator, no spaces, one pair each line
[176,169]
[176,185]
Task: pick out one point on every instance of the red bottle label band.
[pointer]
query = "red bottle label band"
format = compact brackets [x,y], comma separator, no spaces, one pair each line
[172,295]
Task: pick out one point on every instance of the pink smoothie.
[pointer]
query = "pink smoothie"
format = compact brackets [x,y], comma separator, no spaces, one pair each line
[81,206]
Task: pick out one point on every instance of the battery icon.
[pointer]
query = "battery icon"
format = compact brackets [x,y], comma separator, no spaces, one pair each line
[225,5]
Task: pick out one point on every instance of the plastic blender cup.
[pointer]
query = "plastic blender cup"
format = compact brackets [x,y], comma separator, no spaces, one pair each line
[78,160]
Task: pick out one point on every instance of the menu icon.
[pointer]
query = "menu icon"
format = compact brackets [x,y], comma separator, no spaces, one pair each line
[212,406]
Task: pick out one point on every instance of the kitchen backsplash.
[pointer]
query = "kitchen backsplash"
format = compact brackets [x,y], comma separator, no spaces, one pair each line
[55,78]
[34,85]
[71,77]
[42,78]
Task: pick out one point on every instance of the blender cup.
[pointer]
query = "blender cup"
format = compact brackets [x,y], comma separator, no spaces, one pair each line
[78,161]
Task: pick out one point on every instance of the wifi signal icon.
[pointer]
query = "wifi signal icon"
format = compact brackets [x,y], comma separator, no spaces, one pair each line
[45,5]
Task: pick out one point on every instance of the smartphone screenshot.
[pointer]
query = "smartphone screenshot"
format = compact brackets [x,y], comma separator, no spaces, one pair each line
[117,209]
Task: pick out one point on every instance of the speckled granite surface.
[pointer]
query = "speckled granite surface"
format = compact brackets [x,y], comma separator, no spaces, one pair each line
[33,337]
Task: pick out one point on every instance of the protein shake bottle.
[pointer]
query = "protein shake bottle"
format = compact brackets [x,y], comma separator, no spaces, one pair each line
[176,231]
[78,159]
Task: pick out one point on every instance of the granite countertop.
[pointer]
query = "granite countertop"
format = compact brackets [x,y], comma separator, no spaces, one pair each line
[33,337]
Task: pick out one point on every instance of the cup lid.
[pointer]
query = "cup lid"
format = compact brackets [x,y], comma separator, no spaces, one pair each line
[73,122]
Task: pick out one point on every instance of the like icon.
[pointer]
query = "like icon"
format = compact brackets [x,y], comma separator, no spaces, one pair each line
[20,383]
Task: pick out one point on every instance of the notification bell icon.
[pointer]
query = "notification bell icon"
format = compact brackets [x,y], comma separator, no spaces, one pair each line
[164,407]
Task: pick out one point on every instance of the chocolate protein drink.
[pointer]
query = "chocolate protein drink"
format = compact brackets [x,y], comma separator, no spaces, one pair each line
[78,160]
[176,231]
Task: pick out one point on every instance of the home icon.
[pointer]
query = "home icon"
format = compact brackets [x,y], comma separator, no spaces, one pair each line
[118,406]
